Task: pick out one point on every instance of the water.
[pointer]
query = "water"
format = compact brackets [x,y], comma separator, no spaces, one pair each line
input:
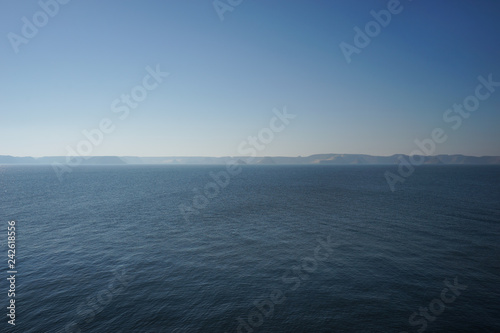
[108,249]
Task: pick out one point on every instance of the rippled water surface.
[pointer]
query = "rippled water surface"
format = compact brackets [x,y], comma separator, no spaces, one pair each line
[279,249]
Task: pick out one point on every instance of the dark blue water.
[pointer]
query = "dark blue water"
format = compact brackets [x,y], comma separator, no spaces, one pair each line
[317,248]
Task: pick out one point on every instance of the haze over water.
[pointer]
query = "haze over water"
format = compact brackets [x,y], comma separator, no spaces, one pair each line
[250,166]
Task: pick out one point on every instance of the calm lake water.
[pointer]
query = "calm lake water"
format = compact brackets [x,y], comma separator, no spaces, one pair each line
[279,249]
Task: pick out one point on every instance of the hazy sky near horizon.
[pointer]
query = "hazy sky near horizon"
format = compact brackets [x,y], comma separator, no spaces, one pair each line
[226,77]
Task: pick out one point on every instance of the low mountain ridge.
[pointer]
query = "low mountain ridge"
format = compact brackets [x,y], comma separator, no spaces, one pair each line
[323,159]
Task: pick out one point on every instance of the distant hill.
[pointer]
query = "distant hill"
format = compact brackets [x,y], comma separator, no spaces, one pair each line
[6,159]
[95,160]
[320,159]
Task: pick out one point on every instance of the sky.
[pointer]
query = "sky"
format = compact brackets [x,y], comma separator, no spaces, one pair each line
[232,65]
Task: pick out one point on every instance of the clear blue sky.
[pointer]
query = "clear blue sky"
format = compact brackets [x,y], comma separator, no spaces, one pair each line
[227,76]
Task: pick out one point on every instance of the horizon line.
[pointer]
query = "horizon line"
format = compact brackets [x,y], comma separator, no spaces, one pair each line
[244,156]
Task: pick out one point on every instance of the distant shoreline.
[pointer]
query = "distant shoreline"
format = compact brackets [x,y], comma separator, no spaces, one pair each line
[317,159]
